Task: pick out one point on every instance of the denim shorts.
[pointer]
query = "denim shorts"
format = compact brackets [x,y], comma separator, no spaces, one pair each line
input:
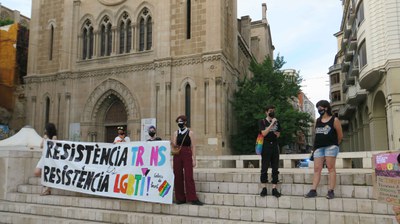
[332,151]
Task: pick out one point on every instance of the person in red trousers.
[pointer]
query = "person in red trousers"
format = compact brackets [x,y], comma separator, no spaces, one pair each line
[185,190]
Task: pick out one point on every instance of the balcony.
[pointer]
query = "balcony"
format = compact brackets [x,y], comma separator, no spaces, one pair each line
[352,16]
[345,66]
[354,70]
[353,44]
[349,55]
[346,112]
[349,80]
[344,87]
[356,95]
[334,68]
[347,31]
[344,42]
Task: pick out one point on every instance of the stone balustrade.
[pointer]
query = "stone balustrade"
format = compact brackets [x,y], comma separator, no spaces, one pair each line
[344,160]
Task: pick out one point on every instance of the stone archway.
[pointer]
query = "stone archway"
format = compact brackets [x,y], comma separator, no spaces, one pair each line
[378,123]
[108,94]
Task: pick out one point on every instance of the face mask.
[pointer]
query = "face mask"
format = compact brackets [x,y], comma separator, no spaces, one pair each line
[321,112]
[152,134]
[271,114]
[181,125]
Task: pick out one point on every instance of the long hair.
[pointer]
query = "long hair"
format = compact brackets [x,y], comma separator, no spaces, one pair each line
[325,103]
[51,130]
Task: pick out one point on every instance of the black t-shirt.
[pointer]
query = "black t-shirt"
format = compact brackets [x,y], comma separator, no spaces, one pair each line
[270,137]
[156,139]
[325,133]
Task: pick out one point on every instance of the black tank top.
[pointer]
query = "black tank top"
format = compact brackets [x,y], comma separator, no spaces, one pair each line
[325,133]
[179,138]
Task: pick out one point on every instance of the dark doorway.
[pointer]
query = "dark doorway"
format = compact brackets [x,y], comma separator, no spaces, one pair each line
[116,116]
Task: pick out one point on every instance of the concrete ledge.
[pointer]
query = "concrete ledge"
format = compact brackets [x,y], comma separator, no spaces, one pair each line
[344,160]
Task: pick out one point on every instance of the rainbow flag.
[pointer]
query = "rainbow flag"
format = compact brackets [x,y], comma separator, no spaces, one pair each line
[164,188]
[259,144]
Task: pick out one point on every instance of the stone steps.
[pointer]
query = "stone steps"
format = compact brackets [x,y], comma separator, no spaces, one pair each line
[358,205]
[151,213]
[9,217]
[125,211]
[305,177]
[230,196]
[296,189]
[301,177]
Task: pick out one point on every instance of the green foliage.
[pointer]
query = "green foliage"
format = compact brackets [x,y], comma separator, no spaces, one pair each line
[5,22]
[268,86]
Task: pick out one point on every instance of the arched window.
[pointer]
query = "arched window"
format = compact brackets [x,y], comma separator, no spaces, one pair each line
[105,37]
[188,18]
[47,111]
[125,34]
[149,31]
[141,35]
[145,31]
[188,103]
[87,40]
[51,42]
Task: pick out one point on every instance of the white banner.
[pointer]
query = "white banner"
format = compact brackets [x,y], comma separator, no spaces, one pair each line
[134,170]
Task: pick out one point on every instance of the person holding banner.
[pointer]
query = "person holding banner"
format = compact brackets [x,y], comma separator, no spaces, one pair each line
[121,136]
[185,190]
[153,134]
[328,136]
[50,132]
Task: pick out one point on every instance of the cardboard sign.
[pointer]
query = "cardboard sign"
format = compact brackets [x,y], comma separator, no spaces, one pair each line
[387,172]
[134,170]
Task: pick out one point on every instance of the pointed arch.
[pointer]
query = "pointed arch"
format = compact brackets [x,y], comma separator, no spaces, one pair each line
[104,90]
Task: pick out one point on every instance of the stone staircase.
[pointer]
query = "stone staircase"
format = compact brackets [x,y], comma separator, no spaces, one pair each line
[230,196]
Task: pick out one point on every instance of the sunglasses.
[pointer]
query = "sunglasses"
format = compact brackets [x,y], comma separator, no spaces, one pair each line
[120,128]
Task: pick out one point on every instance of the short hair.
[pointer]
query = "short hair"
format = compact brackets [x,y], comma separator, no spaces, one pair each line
[267,108]
[325,103]
[181,117]
[152,127]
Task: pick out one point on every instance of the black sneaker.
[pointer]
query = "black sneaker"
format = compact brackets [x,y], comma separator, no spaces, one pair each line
[197,202]
[180,202]
[276,193]
[311,194]
[264,192]
[330,195]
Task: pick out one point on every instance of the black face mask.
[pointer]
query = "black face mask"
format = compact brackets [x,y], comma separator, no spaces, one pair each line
[271,114]
[321,112]
[152,134]
[181,125]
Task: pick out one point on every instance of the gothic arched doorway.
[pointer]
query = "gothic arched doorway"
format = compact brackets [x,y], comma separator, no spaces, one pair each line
[115,116]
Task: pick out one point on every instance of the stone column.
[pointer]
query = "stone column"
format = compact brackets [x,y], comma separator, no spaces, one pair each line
[67,113]
[206,105]
[168,118]
[133,38]
[114,41]
[367,137]
[33,123]
[378,133]
[218,102]
[75,29]
[96,44]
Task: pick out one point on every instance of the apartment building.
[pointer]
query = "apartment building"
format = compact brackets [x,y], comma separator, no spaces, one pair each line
[365,76]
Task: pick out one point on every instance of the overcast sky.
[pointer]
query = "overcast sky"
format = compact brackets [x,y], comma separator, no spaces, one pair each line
[302,32]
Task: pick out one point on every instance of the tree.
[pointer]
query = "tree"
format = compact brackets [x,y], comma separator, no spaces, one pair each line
[5,22]
[268,86]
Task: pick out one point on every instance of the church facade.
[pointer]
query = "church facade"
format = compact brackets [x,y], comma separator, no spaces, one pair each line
[95,65]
